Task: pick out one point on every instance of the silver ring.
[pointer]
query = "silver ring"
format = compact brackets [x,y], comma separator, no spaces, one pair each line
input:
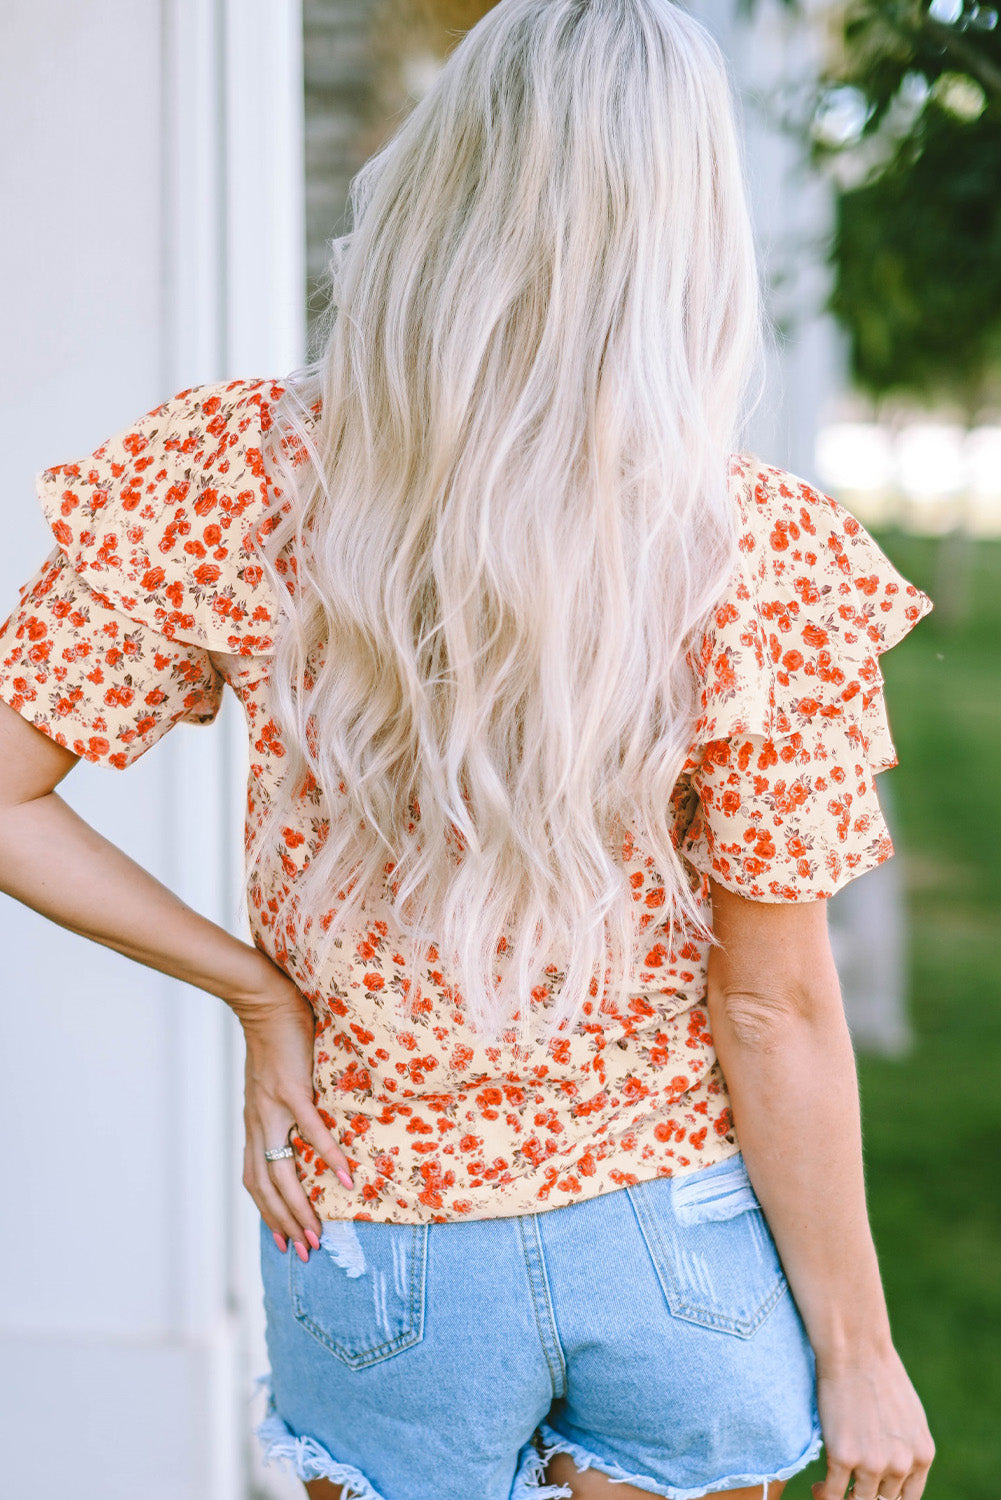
[280,1153]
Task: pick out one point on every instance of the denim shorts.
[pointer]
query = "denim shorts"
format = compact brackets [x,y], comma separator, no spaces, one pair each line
[649,1332]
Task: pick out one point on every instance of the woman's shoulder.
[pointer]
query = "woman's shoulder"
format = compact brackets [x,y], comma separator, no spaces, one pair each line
[805,557]
[161,518]
[810,606]
[786,520]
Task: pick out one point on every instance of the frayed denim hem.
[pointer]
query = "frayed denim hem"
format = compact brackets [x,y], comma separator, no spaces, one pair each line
[527,1483]
[308,1458]
[552,1442]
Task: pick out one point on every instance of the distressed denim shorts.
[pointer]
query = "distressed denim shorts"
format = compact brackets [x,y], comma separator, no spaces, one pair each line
[648,1332]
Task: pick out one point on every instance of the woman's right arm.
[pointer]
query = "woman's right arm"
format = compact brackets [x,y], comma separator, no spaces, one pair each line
[55,863]
[779,1027]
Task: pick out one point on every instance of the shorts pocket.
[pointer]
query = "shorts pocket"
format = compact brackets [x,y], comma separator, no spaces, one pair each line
[711,1247]
[362,1293]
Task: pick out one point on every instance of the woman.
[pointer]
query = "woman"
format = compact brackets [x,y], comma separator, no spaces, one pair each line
[564,713]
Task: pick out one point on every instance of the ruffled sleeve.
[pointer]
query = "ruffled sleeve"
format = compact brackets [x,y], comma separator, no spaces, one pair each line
[793,725]
[153,570]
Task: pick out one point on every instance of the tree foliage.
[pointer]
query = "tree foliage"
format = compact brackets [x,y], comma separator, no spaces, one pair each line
[906,117]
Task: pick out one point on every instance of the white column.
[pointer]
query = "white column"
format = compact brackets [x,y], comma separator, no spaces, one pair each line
[235,290]
[152,241]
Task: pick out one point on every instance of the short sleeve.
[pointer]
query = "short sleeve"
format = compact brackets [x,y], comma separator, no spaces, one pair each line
[103,685]
[794,729]
[155,567]
[792,819]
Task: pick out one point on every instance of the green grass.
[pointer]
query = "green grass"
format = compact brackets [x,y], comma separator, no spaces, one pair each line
[932,1121]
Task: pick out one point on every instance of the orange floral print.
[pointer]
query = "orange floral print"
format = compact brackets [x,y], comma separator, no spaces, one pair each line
[152,602]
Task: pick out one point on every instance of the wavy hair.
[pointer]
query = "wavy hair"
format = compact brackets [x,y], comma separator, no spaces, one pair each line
[506,505]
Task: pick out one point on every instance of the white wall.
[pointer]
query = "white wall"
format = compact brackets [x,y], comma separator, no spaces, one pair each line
[151,238]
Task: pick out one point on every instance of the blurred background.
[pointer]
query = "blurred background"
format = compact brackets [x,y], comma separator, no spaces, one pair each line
[170,174]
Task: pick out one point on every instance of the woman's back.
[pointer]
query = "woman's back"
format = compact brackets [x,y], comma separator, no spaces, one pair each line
[154,598]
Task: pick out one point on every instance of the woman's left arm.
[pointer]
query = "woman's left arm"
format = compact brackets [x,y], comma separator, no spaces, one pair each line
[56,863]
[779,1028]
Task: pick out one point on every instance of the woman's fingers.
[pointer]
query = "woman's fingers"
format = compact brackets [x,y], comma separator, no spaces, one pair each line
[893,1482]
[275,1186]
[867,1483]
[914,1484]
[321,1138]
[835,1482]
[286,1180]
[277,1183]
[270,1203]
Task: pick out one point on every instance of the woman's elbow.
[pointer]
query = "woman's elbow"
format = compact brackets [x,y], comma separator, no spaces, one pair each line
[764,1017]
[771,970]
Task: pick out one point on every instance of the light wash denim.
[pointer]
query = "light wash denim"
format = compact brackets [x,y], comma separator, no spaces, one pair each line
[648,1332]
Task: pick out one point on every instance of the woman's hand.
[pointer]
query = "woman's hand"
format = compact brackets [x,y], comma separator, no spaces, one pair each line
[54,862]
[874,1429]
[278,1095]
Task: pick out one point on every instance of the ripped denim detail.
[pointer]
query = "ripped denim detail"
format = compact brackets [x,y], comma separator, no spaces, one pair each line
[307,1458]
[341,1242]
[552,1442]
[713,1194]
[362,1295]
[528,1483]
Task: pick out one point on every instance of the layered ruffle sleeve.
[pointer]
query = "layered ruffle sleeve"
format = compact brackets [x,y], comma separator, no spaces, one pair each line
[152,570]
[793,726]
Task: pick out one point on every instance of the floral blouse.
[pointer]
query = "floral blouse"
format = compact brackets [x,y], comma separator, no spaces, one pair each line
[151,602]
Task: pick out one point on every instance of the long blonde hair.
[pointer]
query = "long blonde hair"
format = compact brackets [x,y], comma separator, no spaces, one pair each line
[513,516]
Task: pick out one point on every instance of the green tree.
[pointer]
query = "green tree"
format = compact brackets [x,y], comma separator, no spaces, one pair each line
[906,118]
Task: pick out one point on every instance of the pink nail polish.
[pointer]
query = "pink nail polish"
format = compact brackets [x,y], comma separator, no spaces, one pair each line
[301,1251]
[313,1239]
[279,1241]
[344,1177]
